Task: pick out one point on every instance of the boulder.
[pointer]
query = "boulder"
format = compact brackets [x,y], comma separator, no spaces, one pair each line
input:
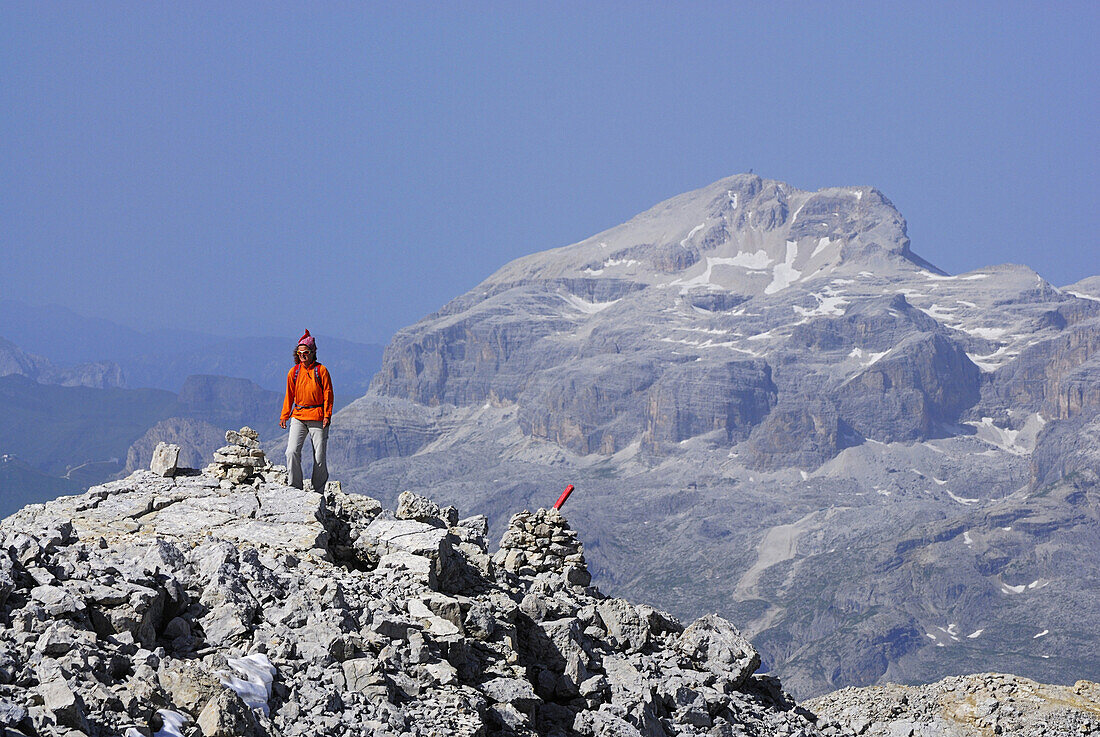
[57,600]
[65,706]
[603,724]
[165,459]
[422,509]
[226,715]
[713,644]
[188,683]
[7,575]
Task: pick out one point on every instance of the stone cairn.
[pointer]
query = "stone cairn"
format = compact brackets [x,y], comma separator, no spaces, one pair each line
[242,461]
[542,542]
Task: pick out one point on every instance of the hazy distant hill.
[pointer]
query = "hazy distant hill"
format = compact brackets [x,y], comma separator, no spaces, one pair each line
[20,485]
[101,374]
[67,438]
[66,337]
[164,359]
[54,428]
[262,360]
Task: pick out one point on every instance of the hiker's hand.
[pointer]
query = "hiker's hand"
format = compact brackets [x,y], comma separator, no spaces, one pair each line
[282,424]
[324,422]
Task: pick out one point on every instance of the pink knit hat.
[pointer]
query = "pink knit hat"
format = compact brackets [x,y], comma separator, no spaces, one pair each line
[308,341]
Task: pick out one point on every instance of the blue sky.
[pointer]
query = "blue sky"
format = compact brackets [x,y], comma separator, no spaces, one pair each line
[255,168]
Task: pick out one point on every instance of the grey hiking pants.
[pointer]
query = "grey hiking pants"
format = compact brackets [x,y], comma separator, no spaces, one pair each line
[318,438]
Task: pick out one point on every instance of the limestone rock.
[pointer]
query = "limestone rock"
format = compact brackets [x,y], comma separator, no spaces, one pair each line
[715,645]
[188,683]
[225,715]
[165,459]
[422,509]
[265,610]
[7,575]
[65,706]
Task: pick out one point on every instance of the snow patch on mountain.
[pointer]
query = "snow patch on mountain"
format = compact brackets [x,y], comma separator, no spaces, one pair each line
[583,305]
[826,305]
[253,684]
[1003,438]
[785,274]
[693,231]
[822,244]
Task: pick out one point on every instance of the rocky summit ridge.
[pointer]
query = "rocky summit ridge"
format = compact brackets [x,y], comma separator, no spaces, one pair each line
[183,602]
[178,603]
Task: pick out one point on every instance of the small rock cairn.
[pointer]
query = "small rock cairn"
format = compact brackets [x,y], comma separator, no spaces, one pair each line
[542,542]
[242,461]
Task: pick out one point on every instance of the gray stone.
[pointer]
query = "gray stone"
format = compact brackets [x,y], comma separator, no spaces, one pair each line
[442,673]
[624,626]
[417,539]
[189,684]
[436,624]
[11,714]
[515,691]
[58,639]
[177,627]
[140,614]
[57,600]
[234,437]
[594,686]
[65,706]
[165,459]
[7,575]
[412,506]
[509,716]
[713,644]
[362,673]
[224,625]
[225,715]
[603,724]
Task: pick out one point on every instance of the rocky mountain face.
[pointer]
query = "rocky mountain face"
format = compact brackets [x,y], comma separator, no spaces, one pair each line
[219,603]
[773,408]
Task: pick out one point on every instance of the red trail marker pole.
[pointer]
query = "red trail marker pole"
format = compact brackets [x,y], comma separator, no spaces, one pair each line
[564,495]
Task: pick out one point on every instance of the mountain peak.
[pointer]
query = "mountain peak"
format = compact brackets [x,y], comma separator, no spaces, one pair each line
[743,233]
[749,364]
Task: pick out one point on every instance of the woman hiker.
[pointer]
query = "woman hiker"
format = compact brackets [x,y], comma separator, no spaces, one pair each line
[308,406]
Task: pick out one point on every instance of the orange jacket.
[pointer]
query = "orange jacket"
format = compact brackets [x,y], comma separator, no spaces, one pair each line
[306,400]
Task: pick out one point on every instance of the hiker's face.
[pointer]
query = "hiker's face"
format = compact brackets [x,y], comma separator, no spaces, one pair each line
[304,354]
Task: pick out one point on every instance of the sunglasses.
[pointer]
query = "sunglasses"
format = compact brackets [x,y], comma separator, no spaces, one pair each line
[304,353]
